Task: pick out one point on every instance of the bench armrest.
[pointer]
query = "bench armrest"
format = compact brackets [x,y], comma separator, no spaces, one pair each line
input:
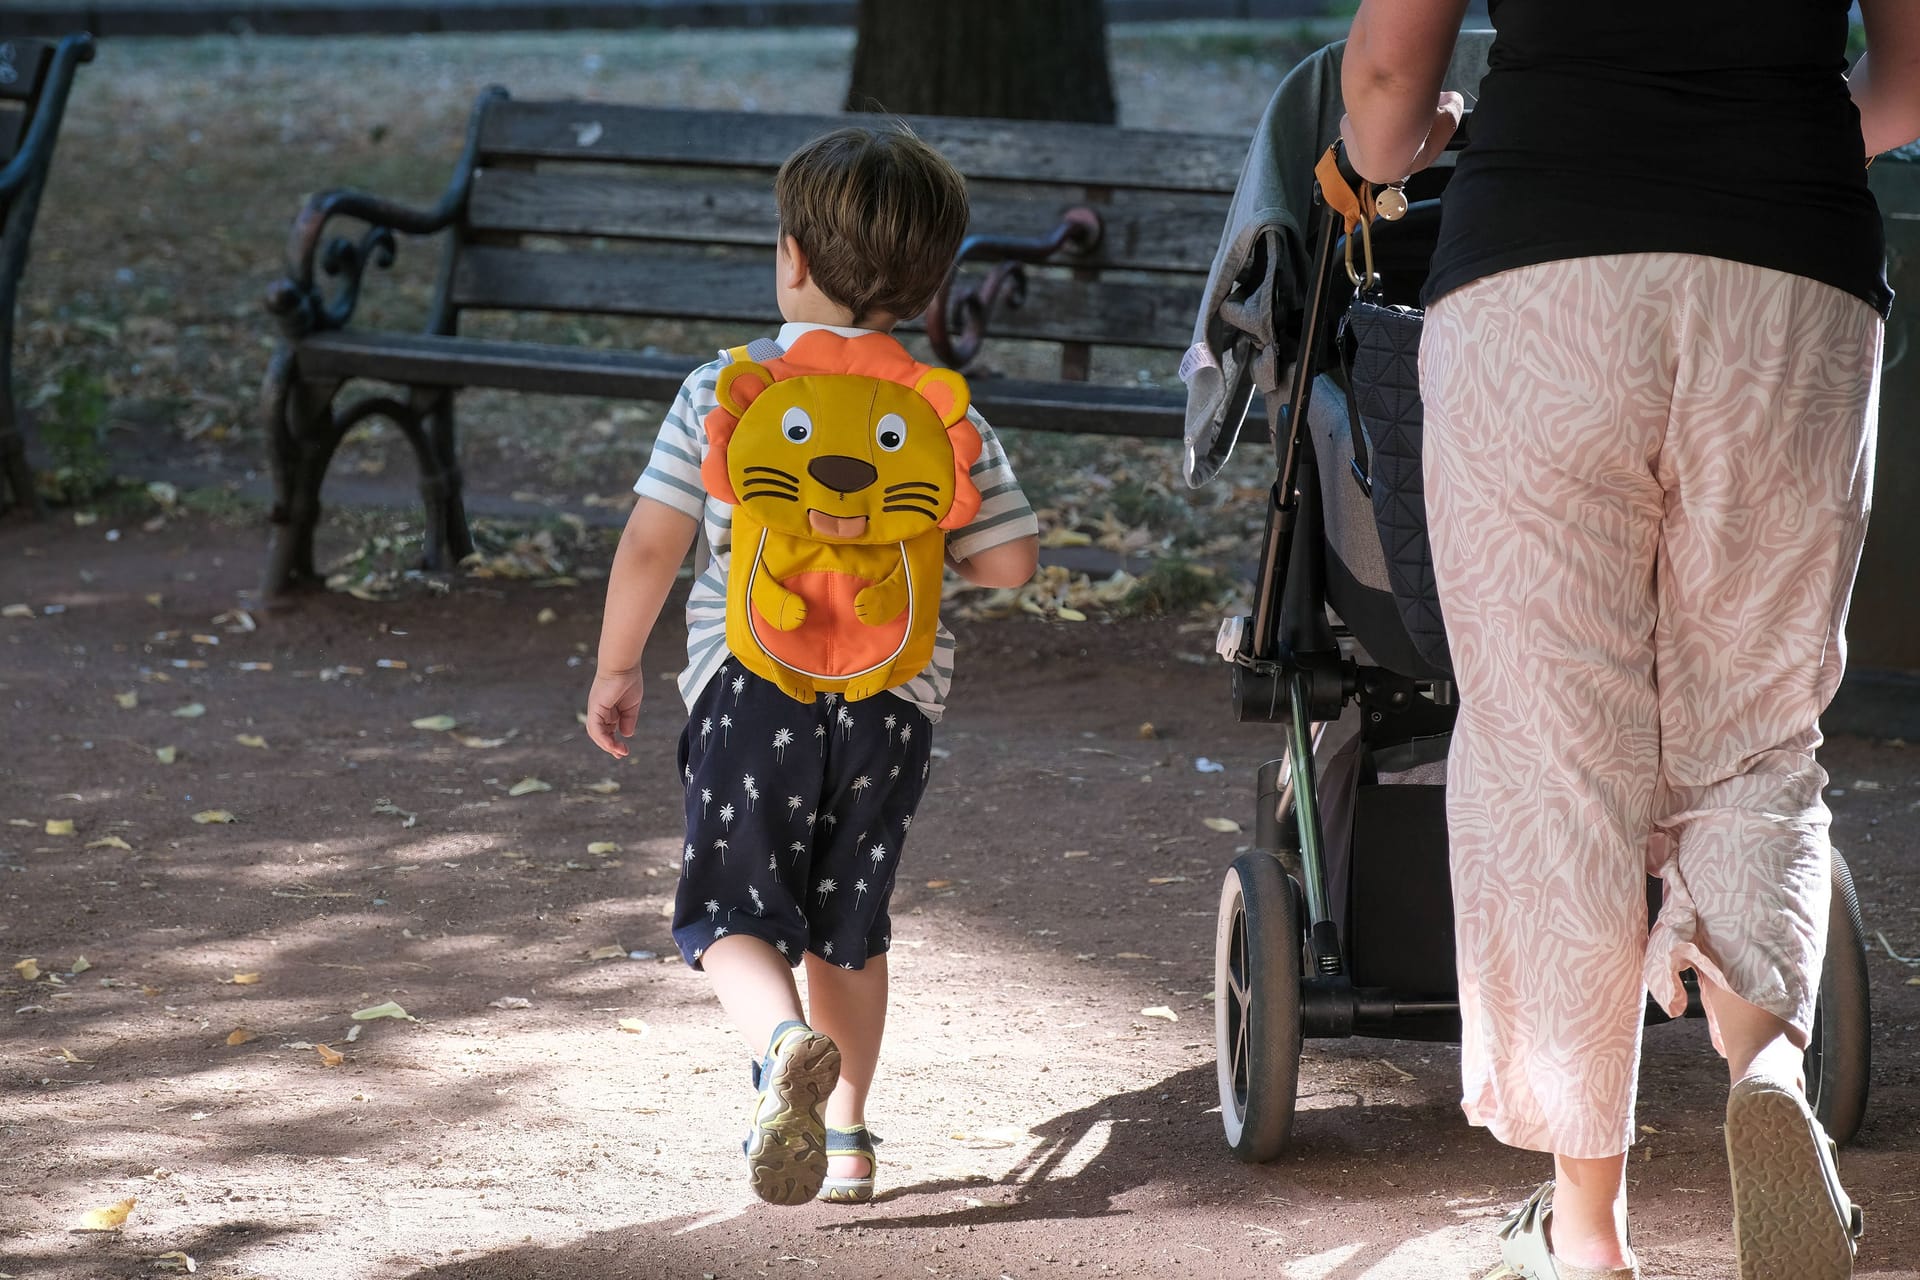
[299,299]
[38,142]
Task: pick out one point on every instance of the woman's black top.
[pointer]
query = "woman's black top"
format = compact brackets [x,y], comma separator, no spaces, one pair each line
[1716,127]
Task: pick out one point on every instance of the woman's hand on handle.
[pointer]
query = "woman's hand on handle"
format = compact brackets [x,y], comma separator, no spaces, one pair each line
[1390,76]
[1447,114]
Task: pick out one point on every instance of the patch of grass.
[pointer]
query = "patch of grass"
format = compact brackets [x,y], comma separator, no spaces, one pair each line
[73,430]
[1173,585]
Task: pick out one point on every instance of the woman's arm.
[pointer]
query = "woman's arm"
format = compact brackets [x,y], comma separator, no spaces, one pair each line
[1396,57]
[1889,98]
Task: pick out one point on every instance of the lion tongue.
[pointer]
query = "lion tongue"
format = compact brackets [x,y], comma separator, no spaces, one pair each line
[836,526]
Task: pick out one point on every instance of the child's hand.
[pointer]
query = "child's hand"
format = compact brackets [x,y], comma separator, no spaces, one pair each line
[613,709]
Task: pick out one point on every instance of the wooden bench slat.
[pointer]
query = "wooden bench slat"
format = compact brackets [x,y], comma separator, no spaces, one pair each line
[1023,151]
[1149,231]
[543,368]
[739,288]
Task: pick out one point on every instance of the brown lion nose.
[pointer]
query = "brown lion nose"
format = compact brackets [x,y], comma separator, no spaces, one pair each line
[842,474]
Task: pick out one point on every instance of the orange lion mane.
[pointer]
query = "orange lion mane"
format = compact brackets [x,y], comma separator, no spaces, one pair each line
[872,355]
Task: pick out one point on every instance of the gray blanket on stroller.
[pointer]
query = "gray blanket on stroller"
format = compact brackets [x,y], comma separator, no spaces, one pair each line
[1253,294]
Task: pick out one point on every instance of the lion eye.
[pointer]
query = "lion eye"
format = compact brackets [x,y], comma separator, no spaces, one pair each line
[891,432]
[796,426]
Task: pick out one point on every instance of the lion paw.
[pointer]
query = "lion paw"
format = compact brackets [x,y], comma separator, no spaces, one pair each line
[878,605]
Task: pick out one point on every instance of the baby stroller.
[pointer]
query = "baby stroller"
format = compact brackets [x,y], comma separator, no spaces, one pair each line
[1338,923]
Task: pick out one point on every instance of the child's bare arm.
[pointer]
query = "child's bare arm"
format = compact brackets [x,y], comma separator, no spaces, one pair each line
[652,548]
[1007,564]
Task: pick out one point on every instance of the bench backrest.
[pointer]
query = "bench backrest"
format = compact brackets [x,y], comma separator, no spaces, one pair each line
[660,212]
[23,75]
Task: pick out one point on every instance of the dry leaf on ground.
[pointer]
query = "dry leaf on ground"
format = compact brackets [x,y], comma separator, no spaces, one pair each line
[634,1025]
[59,826]
[387,1010]
[80,965]
[210,817]
[329,1056]
[253,740]
[28,969]
[439,723]
[601,848]
[1222,824]
[128,700]
[527,786]
[1160,1011]
[545,617]
[175,1260]
[166,755]
[241,980]
[192,711]
[612,951]
[478,744]
[605,787]
[240,1035]
[110,1218]
[510,1002]
[109,842]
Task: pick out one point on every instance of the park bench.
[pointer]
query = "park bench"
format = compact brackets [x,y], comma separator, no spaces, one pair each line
[1074,292]
[34,80]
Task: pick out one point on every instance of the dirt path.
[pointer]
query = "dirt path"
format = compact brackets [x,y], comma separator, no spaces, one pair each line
[1037,1122]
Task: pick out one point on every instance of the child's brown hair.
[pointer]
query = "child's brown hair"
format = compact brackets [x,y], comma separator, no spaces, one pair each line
[878,213]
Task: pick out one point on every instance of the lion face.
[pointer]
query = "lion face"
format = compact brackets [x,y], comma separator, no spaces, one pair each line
[847,457]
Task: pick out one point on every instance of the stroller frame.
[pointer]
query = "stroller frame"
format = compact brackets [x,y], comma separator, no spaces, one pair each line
[1283,969]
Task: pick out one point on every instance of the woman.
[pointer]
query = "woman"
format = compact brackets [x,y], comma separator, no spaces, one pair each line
[1650,369]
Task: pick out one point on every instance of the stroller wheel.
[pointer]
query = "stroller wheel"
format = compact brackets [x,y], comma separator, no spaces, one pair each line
[1256,968]
[1838,1051]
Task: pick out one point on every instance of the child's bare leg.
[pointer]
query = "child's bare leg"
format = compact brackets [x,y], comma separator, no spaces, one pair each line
[755,986]
[850,1005]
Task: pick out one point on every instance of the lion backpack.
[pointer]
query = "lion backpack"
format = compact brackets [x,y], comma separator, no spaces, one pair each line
[846,462]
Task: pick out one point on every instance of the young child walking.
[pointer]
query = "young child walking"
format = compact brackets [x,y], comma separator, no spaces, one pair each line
[816,664]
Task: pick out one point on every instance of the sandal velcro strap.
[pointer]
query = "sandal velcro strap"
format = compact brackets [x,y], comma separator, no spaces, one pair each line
[856,1141]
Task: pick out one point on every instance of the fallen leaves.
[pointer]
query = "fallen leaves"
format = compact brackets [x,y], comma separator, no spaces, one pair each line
[80,965]
[1160,1011]
[128,700]
[166,755]
[510,1002]
[253,740]
[387,1010]
[546,617]
[605,787]
[110,842]
[329,1056]
[528,786]
[600,848]
[110,1218]
[240,1035]
[635,1026]
[17,611]
[384,805]
[241,980]
[28,969]
[478,744]
[212,817]
[1224,825]
[438,724]
[175,1260]
[192,711]
[59,826]
[612,951]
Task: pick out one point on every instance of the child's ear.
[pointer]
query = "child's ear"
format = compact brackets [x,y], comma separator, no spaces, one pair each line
[740,384]
[947,392]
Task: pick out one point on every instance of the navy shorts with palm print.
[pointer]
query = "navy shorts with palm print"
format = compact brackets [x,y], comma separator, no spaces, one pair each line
[796,813]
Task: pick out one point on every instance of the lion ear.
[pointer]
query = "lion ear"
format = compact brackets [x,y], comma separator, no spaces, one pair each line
[740,384]
[947,392]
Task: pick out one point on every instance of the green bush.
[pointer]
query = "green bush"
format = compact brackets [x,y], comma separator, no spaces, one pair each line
[72,424]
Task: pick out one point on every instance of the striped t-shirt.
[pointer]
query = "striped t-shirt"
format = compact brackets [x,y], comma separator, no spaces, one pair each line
[672,477]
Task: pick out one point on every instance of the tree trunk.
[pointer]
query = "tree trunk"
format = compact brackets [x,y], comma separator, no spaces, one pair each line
[1007,59]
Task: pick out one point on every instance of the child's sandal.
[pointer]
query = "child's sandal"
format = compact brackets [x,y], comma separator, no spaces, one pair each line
[786,1148]
[850,1142]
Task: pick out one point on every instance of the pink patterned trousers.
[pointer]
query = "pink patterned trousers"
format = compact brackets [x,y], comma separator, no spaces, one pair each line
[1647,482]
